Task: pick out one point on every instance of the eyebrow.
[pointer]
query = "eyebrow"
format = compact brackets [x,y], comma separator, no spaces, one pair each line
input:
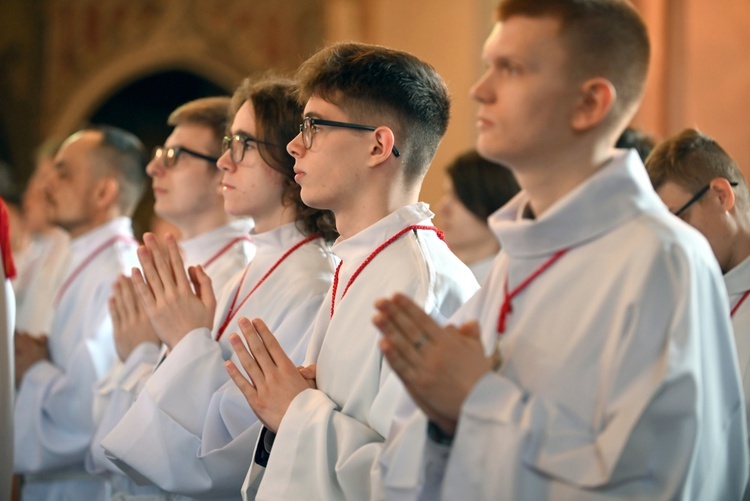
[241,132]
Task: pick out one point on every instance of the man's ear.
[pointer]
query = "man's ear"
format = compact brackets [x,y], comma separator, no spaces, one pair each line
[724,192]
[106,191]
[597,97]
[382,146]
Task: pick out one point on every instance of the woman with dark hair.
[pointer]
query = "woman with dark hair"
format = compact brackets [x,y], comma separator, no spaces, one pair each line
[474,189]
[207,433]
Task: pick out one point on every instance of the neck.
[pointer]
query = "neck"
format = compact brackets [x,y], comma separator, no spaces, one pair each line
[740,248]
[478,251]
[548,180]
[90,225]
[274,219]
[369,208]
[201,223]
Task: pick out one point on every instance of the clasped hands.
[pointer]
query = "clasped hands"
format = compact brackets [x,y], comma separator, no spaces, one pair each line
[438,365]
[28,350]
[274,379]
[174,301]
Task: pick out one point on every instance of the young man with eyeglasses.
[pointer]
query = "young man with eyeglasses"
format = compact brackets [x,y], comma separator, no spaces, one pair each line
[187,191]
[97,182]
[597,360]
[700,183]
[189,404]
[373,119]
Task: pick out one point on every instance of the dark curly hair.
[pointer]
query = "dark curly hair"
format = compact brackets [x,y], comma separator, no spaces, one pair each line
[277,116]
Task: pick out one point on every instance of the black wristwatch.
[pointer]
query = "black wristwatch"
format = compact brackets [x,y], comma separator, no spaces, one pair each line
[265,444]
[437,435]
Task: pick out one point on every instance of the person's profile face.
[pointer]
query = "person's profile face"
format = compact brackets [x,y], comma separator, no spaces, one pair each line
[462,228]
[332,169]
[526,95]
[191,186]
[70,190]
[250,187]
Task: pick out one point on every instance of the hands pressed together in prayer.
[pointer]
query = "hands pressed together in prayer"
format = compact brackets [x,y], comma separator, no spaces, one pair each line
[130,323]
[174,301]
[28,351]
[276,381]
[438,365]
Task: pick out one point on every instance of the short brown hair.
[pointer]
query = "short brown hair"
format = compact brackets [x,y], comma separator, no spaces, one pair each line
[605,38]
[481,185]
[399,89]
[210,112]
[123,155]
[277,118]
[691,160]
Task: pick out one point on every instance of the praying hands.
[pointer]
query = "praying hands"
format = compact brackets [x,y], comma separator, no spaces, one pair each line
[130,323]
[174,301]
[274,380]
[438,366]
[28,351]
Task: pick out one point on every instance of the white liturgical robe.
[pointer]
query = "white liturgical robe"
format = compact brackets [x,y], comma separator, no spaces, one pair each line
[329,439]
[619,379]
[223,252]
[205,428]
[39,280]
[737,281]
[53,411]
[7,314]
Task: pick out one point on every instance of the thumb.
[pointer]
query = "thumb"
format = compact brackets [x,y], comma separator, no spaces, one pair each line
[202,283]
[308,372]
[470,329]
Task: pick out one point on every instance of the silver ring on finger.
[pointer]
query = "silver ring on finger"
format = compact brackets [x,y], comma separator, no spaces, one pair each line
[421,341]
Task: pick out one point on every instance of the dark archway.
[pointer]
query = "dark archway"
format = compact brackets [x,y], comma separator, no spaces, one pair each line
[142,107]
[4,149]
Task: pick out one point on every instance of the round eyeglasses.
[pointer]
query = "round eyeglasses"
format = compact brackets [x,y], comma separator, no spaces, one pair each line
[168,156]
[238,143]
[309,124]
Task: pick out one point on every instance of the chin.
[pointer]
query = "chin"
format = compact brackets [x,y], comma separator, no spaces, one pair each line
[311,201]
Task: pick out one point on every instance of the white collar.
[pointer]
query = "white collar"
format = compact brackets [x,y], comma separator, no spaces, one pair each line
[617,192]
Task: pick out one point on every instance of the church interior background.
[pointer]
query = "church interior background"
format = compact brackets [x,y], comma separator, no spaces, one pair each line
[65,63]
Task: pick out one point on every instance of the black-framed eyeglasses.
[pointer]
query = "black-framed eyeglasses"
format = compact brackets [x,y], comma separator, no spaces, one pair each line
[308,124]
[238,143]
[168,156]
[697,197]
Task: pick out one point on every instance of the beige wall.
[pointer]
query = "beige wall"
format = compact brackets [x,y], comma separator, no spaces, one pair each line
[700,76]
[448,35]
[700,72]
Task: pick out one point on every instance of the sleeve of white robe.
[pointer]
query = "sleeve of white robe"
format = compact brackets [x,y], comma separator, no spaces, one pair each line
[314,422]
[650,412]
[53,418]
[202,426]
[114,395]
[7,309]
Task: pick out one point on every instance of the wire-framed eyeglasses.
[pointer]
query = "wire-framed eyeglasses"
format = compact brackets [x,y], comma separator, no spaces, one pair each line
[168,156]
[697,197]
[307,128]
